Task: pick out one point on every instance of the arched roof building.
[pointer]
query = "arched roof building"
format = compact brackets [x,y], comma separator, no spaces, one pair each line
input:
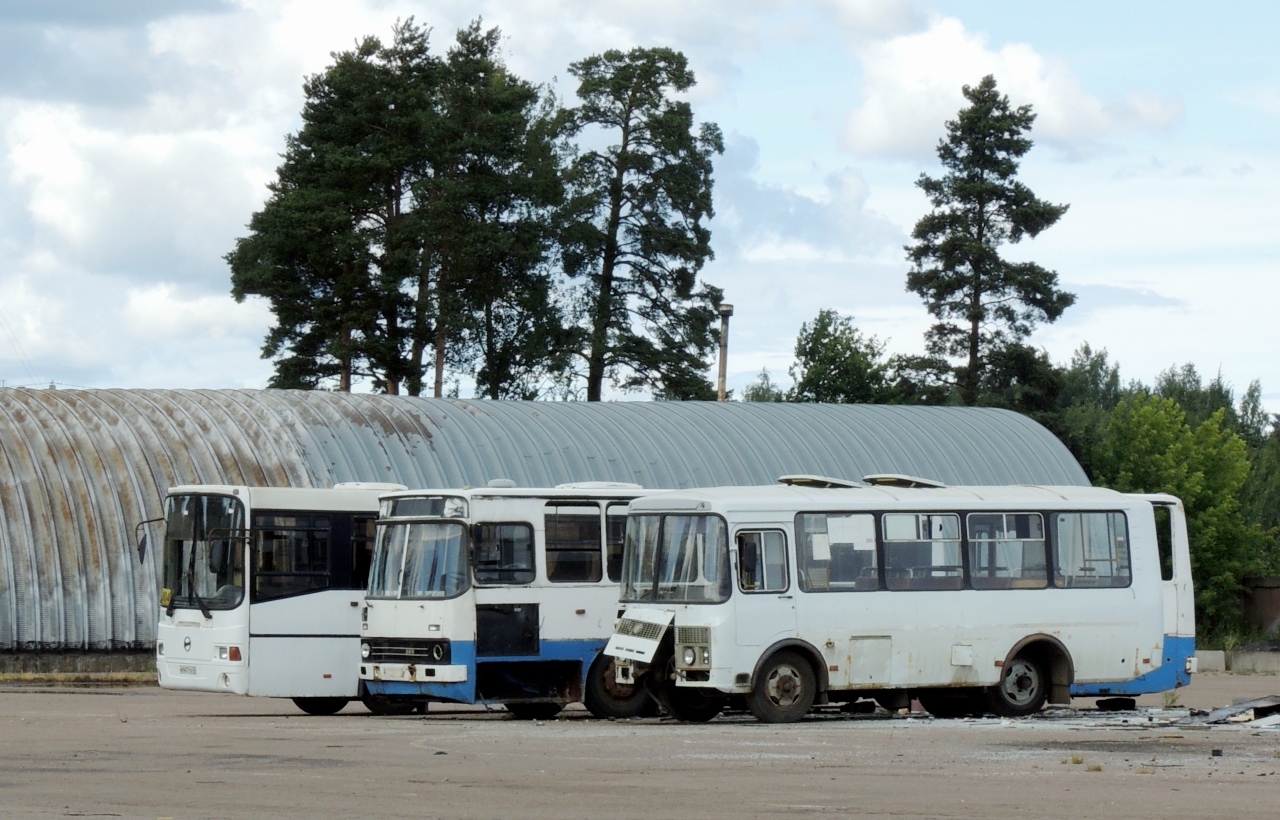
[79,469]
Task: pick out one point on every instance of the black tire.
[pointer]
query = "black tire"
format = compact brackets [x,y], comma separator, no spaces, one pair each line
[534,711]
[688,705]
[953,704]
[692,705]
[604,697]
[321,706]
[784,690]
[1022,690]
[384,706]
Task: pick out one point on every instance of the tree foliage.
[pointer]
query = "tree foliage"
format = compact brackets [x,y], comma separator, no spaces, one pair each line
[1149,446]
[635,231]
[837,363]
[983,302]
[764,388]
[411,216]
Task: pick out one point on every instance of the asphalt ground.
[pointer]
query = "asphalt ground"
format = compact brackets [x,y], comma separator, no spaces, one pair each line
[139,751]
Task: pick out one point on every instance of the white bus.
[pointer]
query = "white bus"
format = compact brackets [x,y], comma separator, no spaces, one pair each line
[970,599]
[499,596]
[262,589]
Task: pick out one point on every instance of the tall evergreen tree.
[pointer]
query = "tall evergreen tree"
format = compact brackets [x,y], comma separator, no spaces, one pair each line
[636,232]
[489,211]
[982,302]
[329,247]
[411,220]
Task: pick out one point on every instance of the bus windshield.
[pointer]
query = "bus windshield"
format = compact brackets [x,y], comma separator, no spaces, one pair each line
[419,559]
[203,552]
[676,558]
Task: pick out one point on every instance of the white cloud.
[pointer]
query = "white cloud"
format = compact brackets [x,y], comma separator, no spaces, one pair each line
[912,86]
[159,312]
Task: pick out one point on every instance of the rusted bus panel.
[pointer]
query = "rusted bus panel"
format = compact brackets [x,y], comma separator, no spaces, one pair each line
[80,469]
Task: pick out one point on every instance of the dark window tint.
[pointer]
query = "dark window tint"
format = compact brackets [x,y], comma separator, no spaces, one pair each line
[503,554]
[291,555]
[574,543]
[615,538]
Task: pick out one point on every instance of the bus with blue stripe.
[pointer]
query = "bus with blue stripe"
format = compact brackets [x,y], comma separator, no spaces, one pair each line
[499,596]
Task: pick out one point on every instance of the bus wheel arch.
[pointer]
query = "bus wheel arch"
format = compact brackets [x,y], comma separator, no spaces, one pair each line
[1038,669]
[808,651]
[785,687]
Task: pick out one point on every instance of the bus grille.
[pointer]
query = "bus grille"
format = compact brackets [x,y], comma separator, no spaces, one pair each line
[407,650]
[693,635]
[640,629]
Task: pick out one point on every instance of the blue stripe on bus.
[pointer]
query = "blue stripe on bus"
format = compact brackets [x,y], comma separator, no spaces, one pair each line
[464,654]
[1170,674]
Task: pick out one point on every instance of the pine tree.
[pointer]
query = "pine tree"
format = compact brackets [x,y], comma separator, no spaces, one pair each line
[636,232]
[982,302]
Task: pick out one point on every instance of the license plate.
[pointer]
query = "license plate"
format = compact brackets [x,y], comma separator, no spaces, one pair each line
[187,670]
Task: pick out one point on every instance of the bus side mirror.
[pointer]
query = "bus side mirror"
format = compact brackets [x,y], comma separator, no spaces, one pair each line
[140,533]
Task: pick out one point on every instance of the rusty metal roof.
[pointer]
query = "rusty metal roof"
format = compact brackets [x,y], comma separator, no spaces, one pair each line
[80,468]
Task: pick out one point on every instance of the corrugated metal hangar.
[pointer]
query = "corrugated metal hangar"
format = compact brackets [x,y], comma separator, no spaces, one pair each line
[79,469]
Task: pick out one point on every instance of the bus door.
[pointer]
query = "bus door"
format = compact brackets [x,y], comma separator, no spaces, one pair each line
[508,622]
[1175,566]
[766,605]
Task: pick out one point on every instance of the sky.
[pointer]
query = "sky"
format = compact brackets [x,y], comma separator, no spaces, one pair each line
[137,138]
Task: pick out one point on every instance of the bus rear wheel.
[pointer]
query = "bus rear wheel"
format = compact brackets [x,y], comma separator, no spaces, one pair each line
[784,689]
[604,697]
[1022,690]
[534,711]
[320,706]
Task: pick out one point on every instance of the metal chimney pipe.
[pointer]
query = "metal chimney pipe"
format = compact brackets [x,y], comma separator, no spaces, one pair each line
[726,311]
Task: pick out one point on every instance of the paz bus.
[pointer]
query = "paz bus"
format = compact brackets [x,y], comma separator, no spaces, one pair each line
[262,589]
[970,599]
[500,595]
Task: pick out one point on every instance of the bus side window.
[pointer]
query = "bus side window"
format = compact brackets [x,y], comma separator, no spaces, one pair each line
[1164,540]
[1091,550]
[504,554]
[836,552]
[362,534]
[922,551]
[762,561]
[573,543]
[615,536]
[1006,551]
[291,555]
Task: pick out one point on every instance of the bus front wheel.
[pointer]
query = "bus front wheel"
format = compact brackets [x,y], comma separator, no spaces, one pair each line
[784,689]
[606,698]
[1022,690]
[320,706]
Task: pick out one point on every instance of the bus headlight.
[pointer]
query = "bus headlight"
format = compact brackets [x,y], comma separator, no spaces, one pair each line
[690,657]
[364,651]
